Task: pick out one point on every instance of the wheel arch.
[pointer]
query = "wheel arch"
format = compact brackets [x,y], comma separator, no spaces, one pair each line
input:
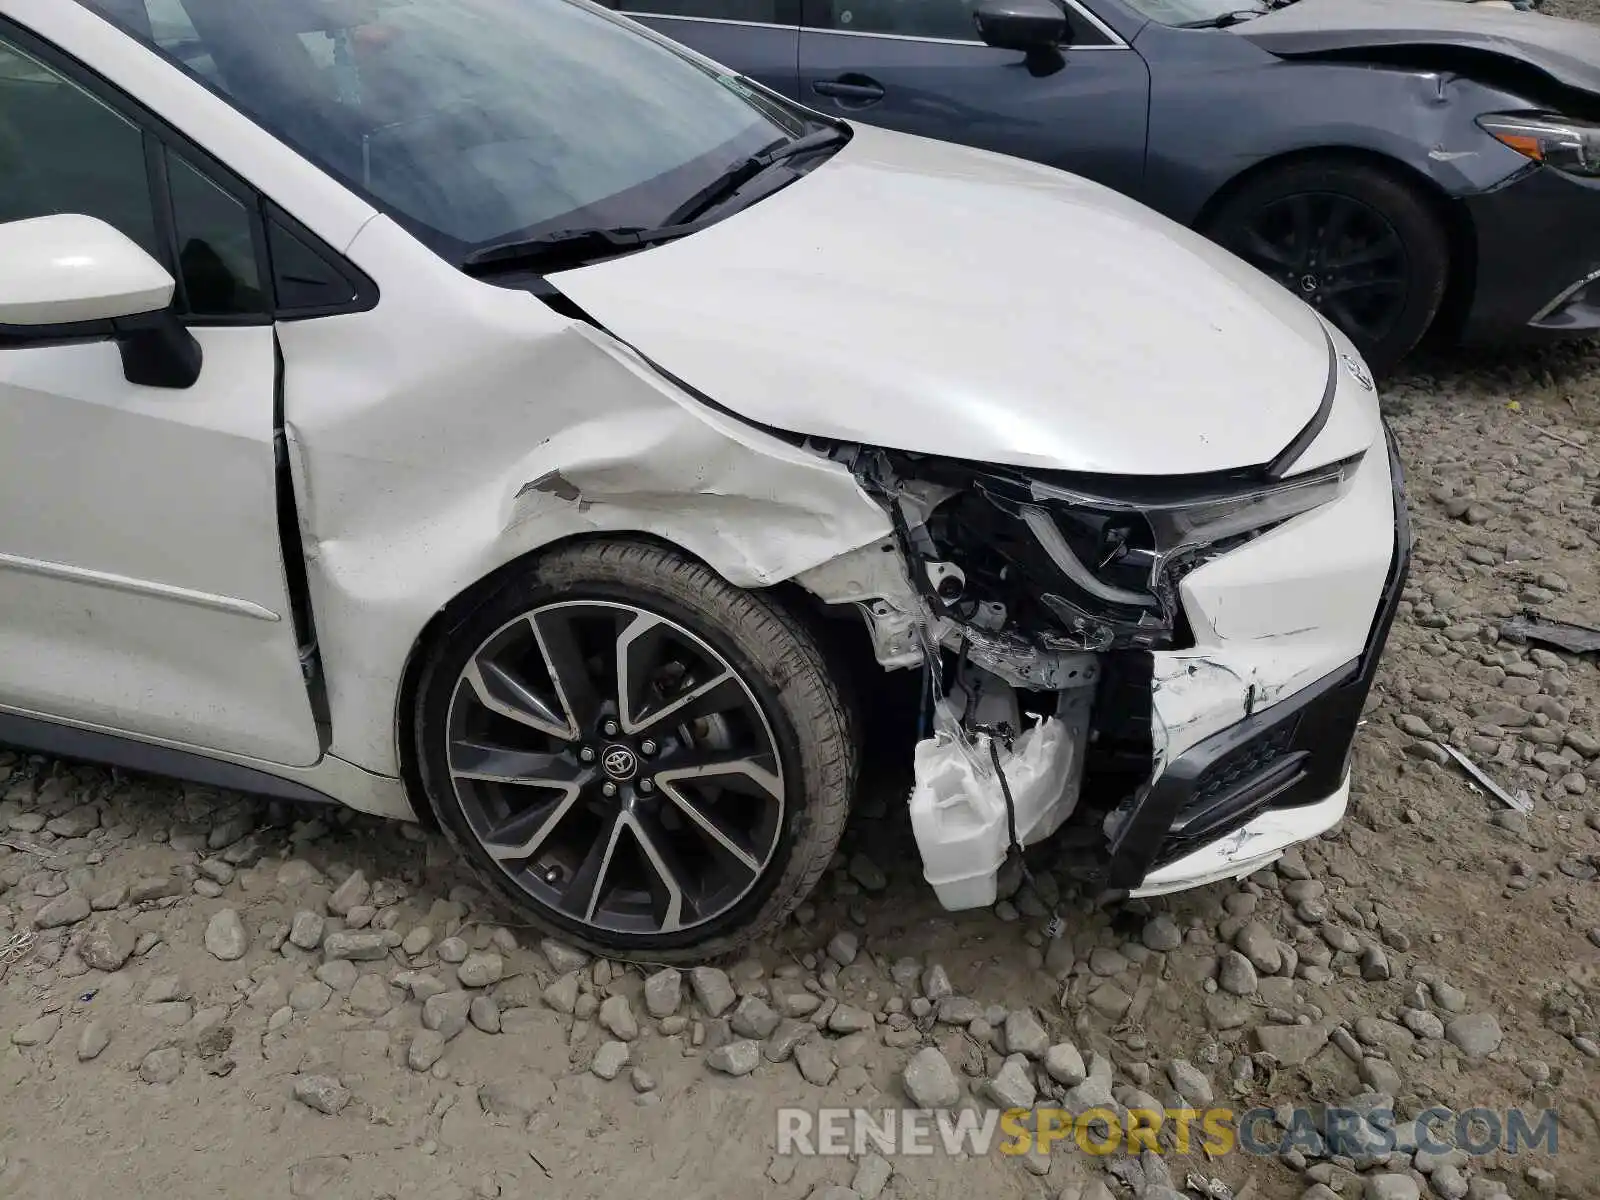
[1453,217]
[844,643]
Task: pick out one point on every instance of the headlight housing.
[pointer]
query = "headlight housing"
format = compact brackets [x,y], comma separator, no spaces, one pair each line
[1118,555]
[1560,142]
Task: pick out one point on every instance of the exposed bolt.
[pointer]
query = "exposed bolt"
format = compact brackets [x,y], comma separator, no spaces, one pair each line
[647,786]
[609,788]
[647,747]
[586,754]
[552,875]
[611,728]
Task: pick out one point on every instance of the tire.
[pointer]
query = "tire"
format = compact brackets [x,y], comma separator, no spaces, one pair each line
[1388,212]
[698,628]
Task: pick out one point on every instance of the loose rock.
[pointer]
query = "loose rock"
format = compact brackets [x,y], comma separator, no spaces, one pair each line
[616,1015]
[323,1093]
[712,989]
[162,1065]
[225,936]
[1474,1035]
[610,1059]
[66,909]
[663,992]
[930,1081]
[480,969]
[736,1058]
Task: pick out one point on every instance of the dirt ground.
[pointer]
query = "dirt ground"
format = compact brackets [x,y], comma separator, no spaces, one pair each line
[205,995]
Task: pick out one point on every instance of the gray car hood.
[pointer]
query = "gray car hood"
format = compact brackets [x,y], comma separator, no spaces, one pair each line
[1567,51]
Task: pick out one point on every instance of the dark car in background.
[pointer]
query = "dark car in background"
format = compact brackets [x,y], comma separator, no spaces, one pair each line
[1406,166]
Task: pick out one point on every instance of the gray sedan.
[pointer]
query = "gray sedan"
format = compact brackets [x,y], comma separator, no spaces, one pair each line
[1405,165]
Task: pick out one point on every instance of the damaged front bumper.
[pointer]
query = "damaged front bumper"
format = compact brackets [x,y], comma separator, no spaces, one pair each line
[1237,798]
[1192,663]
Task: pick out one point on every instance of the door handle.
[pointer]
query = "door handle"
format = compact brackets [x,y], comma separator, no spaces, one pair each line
[862,89]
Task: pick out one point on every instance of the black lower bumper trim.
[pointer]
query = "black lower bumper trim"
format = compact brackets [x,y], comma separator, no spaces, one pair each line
[1294,753]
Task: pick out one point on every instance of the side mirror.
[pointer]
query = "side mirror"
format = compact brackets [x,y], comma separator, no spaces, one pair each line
[70,269]
[1032,26]
[64,269]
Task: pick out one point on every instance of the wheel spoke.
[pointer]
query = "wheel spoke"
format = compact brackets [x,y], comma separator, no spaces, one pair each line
[1379,284]
[723,837]
[1368,252]
[722,691]
[498,690]
[1259,250]
[1345,318]
[581,897]
[1304,223]
[520,836]
[668,890]
[638,645]
[757,768]
[1332,231]
[563,658]
[471,759]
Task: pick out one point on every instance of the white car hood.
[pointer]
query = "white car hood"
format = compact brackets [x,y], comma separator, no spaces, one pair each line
[924,296]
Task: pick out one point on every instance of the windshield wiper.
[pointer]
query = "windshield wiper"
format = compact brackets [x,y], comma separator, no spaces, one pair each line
[735,177]
[574,247]
[577,245]
[1237,17]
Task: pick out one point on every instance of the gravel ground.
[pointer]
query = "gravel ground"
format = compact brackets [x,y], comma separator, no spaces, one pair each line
[206,995]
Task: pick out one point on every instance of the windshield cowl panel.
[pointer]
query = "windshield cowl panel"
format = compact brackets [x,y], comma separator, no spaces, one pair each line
[474,122]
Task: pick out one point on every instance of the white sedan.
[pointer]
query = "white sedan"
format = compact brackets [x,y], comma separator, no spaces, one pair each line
[488,412]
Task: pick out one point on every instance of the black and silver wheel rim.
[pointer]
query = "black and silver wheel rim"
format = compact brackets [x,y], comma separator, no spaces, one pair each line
[1335,252]
[616,767]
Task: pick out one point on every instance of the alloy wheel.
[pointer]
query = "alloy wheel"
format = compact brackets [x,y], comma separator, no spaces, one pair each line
[616,767]
[1340,255]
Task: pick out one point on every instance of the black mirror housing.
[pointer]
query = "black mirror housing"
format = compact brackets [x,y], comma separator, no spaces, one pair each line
[158,350]
[1026,25]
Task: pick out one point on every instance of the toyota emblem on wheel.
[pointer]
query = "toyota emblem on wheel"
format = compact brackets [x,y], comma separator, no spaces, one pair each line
[619,762]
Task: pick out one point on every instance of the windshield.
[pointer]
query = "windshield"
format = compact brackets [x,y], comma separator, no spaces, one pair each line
[1196,12]
[473,121]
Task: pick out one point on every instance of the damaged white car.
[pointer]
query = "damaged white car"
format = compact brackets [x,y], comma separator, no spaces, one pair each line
[489,412]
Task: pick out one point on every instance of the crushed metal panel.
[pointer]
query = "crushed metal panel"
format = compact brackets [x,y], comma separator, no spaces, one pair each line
[418,480]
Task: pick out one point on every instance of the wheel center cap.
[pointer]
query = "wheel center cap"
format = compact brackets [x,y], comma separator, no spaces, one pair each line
[619,763]
[1308,283]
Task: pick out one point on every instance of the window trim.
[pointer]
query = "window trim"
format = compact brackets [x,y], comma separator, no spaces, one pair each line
[789,15]
[229,185]
[1113,40]
[161,139]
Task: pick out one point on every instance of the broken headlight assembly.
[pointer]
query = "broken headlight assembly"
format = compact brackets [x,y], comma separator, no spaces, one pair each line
[1095,563]
[1560,142]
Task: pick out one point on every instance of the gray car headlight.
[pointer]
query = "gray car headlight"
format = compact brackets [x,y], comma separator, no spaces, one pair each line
[1559,142]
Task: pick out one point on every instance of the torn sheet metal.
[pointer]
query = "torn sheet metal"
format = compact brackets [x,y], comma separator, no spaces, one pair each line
[1522,802]
[442,467]
[1563,635]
